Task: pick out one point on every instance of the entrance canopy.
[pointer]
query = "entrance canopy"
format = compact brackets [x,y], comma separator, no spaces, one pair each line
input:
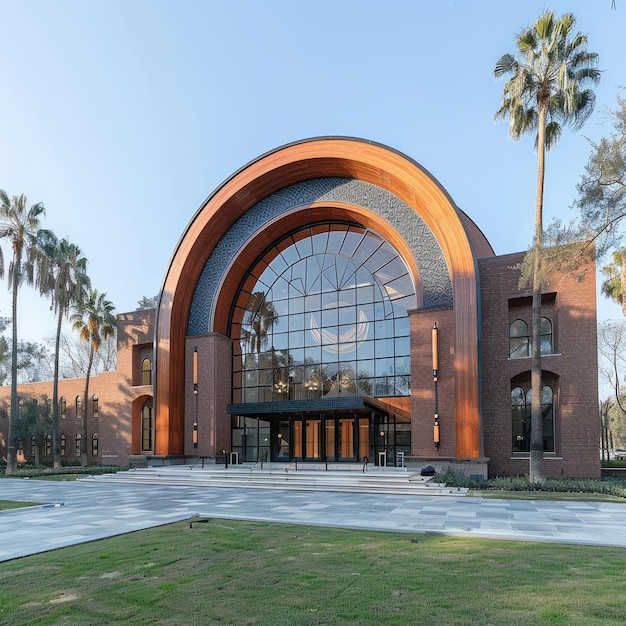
[320,405]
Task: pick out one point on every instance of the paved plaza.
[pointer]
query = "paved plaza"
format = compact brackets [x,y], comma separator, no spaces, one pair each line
[74,512]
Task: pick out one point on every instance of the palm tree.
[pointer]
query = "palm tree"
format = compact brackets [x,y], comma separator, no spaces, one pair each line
[545,90]
[94,320]
[34,424]
[20,225]
[259,318]
[614,286]
[66,281]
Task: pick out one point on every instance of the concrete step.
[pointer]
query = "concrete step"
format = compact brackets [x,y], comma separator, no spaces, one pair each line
[379,480]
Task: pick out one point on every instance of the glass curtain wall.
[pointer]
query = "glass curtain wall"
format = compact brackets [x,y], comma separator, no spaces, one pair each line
[323,313]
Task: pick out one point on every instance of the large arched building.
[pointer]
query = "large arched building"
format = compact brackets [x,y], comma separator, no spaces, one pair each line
[313,295]
[330,303]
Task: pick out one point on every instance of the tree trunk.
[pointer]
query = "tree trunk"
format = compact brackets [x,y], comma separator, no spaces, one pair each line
[536,471]
[56,451]
[623,281]
[84,459]
[14,416]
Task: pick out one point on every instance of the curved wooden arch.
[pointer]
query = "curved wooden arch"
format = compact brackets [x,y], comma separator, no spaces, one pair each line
[316,158]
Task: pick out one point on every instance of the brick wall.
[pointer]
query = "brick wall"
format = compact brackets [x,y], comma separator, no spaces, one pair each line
[118,398]
[570,303]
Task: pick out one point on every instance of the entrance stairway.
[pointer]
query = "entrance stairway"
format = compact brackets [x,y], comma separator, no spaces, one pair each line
[300,477]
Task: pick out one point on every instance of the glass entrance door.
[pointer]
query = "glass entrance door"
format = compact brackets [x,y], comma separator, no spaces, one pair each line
[345,443]
[331,437]
[313,428]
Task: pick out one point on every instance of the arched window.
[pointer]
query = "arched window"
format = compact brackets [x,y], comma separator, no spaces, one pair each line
[77,444]
[48,445]
[146,372]
[79,407]
[94,445]
[147,428]
[63,407]
[324,313]
[520,407]
[49,406]
[33,447]
[94,405]
[63,441]
[546,336]
[519,340]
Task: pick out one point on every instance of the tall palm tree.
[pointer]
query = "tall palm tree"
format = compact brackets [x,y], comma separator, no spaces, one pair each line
[546,89]
[614,286]
[21,226]
[65,280]
[94,320]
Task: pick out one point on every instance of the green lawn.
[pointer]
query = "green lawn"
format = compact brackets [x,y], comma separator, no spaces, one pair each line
[11,504]
[233,572]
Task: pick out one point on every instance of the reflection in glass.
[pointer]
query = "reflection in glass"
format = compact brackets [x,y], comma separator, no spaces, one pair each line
[328,316]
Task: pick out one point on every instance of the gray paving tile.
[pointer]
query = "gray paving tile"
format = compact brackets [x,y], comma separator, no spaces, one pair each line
[80,511]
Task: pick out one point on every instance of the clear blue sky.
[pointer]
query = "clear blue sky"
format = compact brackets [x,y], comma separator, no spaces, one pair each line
[122,116]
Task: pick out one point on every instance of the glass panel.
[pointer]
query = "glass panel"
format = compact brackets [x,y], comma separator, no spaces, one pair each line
[383,348]
[546,336]
[402,346]
[519,328]
[346,438]
[282,440]
[335,241]
[366,248]
[364,438]
[352,240]
[297,439]
[312,439]
[296,322]
[330,439]
[400,287]
[519,347]
[305,247]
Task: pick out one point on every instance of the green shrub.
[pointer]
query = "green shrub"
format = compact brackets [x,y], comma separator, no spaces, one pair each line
[36,471]
[614,463]
[605,486]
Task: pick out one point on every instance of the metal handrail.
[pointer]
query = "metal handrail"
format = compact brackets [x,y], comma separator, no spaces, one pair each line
[200,458]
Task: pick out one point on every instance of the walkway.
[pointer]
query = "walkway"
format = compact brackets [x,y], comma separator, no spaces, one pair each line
[86,510]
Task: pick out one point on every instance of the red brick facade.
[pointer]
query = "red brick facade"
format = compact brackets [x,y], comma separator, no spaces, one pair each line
[570,304]
[120,398]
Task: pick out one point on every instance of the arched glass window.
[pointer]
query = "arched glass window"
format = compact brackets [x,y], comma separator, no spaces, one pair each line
[521,408]
[323,313]
[547,412]
[146,372]
[94,445]
[546,336]
[519,340]
[94,405]
[48,445]
[147,428]
[49,406]
[63,407]
[33,447]
[79,407]
[63,441]
[77,444]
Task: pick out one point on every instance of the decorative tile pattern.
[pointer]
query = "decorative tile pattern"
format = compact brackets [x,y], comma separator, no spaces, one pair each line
[429,258]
